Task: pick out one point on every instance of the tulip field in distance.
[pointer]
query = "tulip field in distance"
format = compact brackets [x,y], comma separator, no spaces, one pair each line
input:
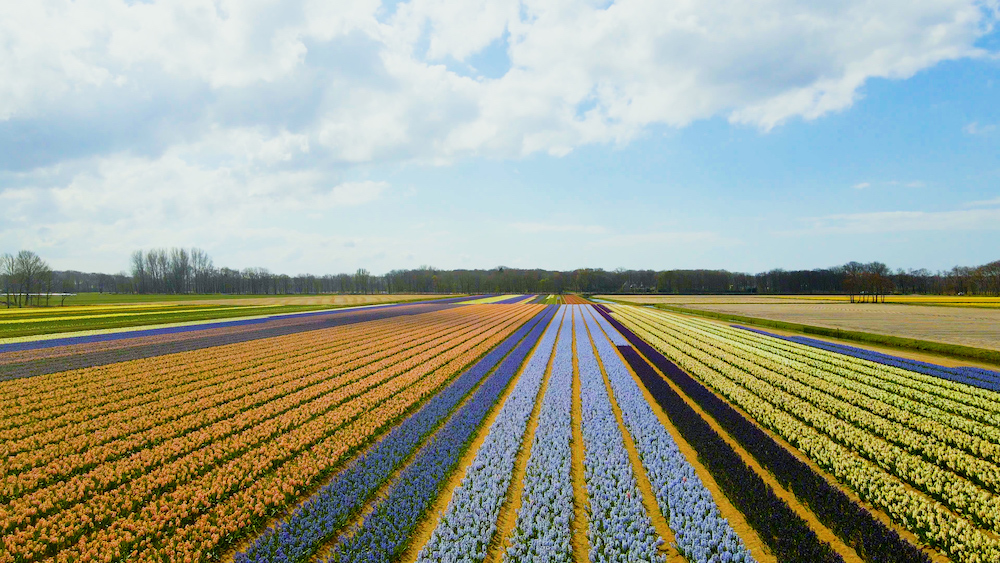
[490,428]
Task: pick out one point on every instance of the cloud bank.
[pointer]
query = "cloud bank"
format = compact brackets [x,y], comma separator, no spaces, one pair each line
[147,117]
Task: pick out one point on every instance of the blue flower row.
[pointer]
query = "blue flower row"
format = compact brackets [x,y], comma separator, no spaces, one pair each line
[386,531]
[619,528]
[329,509]
[701,533]
[465,529]
[542,530]
[978,377]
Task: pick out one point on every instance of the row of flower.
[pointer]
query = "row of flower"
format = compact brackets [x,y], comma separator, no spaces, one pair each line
[36,401]
[969,409]
[979,377]
[784,532]
[167,425]
[901,427]
[387,530]
[54,405]
[273,492]
[871,538]
[144,511]
[836,445]
[701,532]
[543,527]
[959,494]
[200,517]
[970,401]
[164,448]
[618,526]
[921,416]
[329,509]
[466,528]
[48,357]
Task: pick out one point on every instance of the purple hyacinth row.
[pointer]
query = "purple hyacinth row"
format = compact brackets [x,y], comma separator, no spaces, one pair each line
[619,528]
[542,531]
[701,533]
[511,300]
[977,377]
[386,531]
[465,529]
[329,509]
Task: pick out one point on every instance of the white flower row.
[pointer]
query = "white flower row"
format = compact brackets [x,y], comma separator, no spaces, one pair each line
[619,529]
[542,532]
[469,523]
[701,532]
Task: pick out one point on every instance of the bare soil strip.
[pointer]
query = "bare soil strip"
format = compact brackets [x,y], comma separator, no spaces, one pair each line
[581,544]
[668,548]
[422,534]
[508,512]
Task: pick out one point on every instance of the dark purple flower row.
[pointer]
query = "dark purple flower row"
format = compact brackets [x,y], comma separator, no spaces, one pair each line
[386,531]
[978,377]
[511,300]
[328,511]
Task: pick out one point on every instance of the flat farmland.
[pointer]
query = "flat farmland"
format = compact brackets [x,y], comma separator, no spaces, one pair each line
[966,326]
[499,431]
[33,321]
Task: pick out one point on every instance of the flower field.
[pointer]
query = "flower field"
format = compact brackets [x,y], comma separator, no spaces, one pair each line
[498,430]
[921,449]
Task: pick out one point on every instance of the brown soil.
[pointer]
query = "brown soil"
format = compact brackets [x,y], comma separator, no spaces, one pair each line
[508,511]
[422,534]
[645,487]
[581,544]
[800,508]
[757,548]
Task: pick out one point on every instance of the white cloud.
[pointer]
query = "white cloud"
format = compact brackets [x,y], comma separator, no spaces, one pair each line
[118,203]
[904,221]
[905,184]
[984,203]
[975,128]
[670,240]
[368,86]
[535,228]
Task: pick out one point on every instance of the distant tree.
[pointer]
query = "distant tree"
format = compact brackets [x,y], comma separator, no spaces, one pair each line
[7,277]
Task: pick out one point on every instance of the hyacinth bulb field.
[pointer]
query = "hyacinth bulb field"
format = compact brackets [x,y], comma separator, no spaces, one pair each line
[497,428]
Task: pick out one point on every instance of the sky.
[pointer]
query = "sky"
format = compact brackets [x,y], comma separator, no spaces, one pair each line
[323,136]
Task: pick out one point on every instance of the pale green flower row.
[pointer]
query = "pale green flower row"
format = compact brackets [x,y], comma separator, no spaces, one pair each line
[877,470]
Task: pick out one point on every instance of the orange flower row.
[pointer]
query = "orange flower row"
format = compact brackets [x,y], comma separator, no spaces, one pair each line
[155,411]
[156,522]
[170,448]
[165,435]
[46,392]
[263,496]
[285,434]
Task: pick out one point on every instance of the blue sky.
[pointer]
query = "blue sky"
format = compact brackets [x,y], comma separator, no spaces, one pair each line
[324,137]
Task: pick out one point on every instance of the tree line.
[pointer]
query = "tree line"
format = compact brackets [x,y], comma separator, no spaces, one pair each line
[28,280]
[25,276]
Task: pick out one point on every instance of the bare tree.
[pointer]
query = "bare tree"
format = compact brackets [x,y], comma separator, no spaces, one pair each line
[8,269]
